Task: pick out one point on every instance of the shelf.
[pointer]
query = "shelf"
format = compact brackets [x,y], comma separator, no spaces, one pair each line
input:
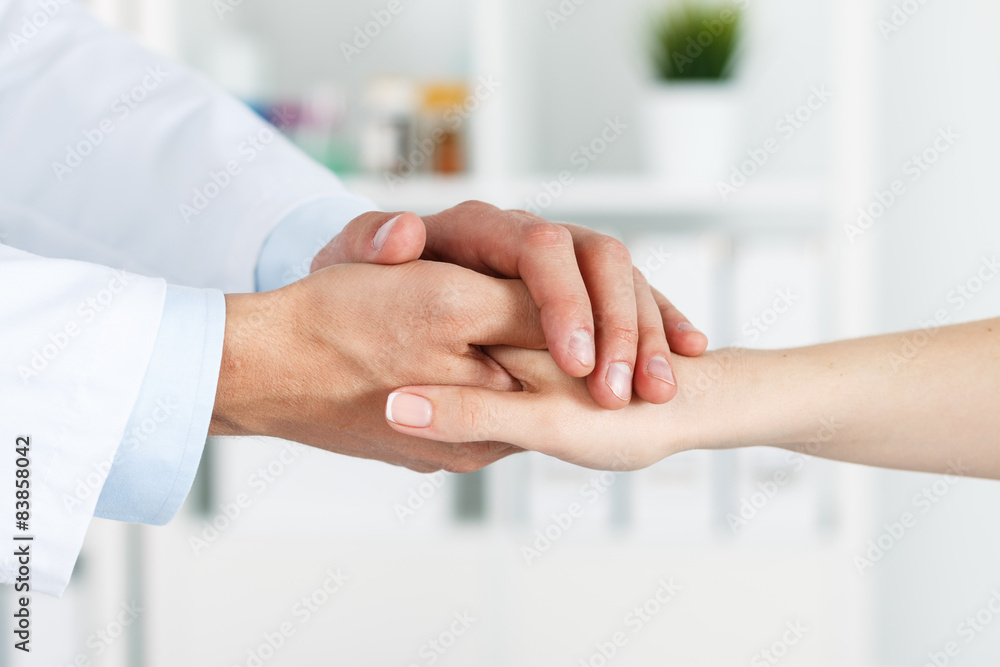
[619,197]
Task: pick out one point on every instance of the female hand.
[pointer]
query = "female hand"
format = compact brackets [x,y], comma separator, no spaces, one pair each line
[554,415]
[857,400]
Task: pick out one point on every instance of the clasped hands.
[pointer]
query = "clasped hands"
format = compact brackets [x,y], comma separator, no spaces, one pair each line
[453,340]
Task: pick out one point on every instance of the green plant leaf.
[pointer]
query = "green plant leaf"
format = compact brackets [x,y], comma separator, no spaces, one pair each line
[696,40]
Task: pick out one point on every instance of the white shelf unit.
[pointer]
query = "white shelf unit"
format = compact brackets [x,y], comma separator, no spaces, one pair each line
[799,203]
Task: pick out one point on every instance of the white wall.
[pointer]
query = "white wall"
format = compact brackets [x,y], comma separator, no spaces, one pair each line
[940,69]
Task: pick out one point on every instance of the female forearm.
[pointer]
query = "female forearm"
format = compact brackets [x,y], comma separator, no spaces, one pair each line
[927,400]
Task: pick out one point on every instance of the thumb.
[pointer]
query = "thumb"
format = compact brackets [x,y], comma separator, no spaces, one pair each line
[461,414]
[375,238]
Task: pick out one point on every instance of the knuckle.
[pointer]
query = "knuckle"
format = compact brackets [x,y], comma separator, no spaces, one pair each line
[476,207]
[575,305]
[498,450]
[472,456]
[627,335]
[611,249]
[447,294]
[448,306]
[423,467]
[540,235]
[464,459]
[639,279]
[462,466]
[331,253]
[525,214]
[649,331]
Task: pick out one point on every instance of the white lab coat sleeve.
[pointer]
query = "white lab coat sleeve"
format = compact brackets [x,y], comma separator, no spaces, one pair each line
[157,460]
[119,156]
[75,341]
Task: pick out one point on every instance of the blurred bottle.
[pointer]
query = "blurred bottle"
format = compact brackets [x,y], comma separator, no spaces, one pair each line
[387,139]
[441,139]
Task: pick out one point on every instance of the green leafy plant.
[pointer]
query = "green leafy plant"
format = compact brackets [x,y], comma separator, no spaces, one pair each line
[696,40]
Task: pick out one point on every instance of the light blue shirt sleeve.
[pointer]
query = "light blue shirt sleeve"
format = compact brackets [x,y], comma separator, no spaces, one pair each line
[157,459]
[289,250]
[156,462]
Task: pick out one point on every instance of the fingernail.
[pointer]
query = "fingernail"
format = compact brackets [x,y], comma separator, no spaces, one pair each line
[686,326]
[619,378]
[581,346]
[383,233]
[409,410]
[659,368]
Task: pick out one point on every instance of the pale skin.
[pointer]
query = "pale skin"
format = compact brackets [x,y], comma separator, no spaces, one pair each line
[924,401]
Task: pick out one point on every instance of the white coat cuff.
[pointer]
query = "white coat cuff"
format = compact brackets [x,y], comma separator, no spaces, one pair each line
[158,457]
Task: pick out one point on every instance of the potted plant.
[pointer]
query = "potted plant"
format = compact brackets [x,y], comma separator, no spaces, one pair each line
[691,110]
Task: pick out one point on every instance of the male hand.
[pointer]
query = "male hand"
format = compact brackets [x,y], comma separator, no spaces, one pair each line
[314,362]
[583,282]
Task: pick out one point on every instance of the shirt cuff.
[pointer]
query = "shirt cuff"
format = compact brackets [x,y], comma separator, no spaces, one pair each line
[288,252]
[157,459]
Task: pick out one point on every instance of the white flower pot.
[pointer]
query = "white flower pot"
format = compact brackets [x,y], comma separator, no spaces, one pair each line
[691,131]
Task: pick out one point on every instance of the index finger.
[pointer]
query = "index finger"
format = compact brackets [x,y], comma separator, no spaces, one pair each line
[547,263]
[517,244]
